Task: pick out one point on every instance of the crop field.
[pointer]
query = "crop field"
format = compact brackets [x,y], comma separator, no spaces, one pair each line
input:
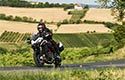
[84,40]
[69,40]
[47,14]
[21,27]
[14,37]
[94,14]
[83,28]
[77,14]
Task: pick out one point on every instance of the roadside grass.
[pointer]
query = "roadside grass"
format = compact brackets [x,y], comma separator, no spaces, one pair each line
[23,55]
[76,58]
[100,74]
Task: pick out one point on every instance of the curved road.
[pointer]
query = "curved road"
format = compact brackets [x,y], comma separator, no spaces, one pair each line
[95,65]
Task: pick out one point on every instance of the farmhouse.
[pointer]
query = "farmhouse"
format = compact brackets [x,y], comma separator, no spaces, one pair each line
[78,7]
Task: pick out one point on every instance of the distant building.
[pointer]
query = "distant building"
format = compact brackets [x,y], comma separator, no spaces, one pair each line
[78,7]
[34,2]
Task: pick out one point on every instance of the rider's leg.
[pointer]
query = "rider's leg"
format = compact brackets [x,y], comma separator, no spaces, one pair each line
[54,44]
[57,53]
[36,48]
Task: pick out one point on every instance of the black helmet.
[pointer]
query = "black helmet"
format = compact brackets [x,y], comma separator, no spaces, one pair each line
[40,28]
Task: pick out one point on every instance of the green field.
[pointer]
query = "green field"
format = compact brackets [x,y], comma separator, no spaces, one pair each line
[77,15]
[79,48]
[84,39]
[14,37]
[69,40]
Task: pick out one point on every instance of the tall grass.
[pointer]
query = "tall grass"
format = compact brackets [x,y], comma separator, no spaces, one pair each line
[103,74]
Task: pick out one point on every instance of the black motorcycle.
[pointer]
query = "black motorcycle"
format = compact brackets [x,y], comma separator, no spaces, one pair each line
[41,57]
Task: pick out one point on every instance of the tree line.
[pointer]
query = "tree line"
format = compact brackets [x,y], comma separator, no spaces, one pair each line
[23,3]
[17,18]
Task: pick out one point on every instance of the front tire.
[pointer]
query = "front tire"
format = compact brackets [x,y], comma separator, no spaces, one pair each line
[57,62]
[36,57]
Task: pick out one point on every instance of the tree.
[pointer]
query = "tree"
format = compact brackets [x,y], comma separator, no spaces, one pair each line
[65,21]
[120,35]
[118,8]
[104,3]
[86,7]
[46,4]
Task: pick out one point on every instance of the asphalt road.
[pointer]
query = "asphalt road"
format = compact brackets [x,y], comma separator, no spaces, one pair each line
[87,66]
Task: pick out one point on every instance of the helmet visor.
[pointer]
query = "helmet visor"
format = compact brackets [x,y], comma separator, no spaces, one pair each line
[40,28]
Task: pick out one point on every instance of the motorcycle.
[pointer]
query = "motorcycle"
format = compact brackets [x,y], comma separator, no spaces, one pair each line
[41,57]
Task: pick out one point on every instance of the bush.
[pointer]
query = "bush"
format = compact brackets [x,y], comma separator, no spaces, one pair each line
[30,19]
[78,21]
[3,50]
[2,16]
[71,22]
[65,21]
[111,25]
[79,53]
[92,22]
[59,24]
[25,19]
[17,18]
[120,34]
[10,17]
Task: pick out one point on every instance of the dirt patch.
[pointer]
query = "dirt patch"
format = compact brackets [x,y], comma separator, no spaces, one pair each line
[21,27]
[99,15]
[83,28]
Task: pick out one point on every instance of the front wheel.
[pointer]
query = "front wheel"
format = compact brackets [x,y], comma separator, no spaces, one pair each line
[57,62]
[36,57]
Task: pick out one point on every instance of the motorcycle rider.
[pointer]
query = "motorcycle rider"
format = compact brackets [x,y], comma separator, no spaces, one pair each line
[42,30]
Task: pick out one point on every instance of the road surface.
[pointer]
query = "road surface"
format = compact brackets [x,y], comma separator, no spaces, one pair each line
[87,66]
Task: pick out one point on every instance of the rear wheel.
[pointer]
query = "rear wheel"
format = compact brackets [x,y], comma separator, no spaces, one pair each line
[37,60]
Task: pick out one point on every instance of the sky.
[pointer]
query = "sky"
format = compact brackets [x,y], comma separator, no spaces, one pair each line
[68,1]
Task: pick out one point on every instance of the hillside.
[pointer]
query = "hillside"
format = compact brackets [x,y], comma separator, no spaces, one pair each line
[96,14]
[22,27]
[69,40]
[47,14]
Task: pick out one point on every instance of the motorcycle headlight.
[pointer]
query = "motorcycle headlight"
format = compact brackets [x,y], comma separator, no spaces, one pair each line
[61,47]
